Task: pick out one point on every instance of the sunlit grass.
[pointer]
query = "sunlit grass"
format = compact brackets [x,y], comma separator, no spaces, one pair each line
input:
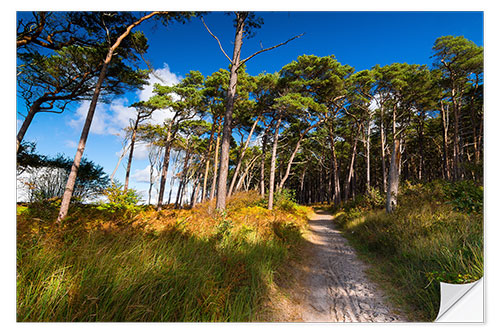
[424,242]
[182,265]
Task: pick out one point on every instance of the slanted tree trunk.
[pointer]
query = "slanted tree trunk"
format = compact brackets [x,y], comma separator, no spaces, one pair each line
[273,163]
[68,192]
[118,163]
[132,144]
[292,157]
[242,155]
[34,109]
[245,173]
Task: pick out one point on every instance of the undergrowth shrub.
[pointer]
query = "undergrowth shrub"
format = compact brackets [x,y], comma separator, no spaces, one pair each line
[285,200]
[435,235]
[465,196]
[119,200]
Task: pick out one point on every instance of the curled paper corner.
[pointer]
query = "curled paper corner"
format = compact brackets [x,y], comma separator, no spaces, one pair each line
[461,303]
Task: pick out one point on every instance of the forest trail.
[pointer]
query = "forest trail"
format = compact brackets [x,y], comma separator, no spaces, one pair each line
[334,286]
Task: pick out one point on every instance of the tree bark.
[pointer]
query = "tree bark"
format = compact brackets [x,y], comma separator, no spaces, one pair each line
[164,169]
[228,116]
[242,155]
[35,107]
[382,146]
[245,173]
[263,165]
[392,190]
[290,160]
[445,123]
[273,163]
[347,185]
[194,196]
[207,162]
[216,164]
[182,178]
[68,192]
[132,144]
[336,178]
[368,133]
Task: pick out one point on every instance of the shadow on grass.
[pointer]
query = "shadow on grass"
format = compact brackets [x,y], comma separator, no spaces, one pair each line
[128,274]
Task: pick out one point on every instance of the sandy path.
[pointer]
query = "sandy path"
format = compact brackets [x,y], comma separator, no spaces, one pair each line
[336,287]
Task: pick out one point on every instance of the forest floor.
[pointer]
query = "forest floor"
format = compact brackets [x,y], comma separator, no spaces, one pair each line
[330,283]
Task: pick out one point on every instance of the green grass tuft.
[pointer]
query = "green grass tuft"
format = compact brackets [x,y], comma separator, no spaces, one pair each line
[432,237]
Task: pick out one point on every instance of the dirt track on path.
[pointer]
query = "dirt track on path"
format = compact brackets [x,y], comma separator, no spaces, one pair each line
[333,284]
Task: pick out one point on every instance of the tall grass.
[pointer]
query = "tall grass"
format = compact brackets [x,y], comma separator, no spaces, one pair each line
[183,265]
[434,236]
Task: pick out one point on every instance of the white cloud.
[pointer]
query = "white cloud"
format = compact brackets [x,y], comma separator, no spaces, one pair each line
[162,76]
[142,175]
[113,118]
[141,151]
[70,144]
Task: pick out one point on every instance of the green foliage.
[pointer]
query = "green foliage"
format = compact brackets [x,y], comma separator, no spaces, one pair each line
[465,196]
[47,176]
[120,201]
[285,200]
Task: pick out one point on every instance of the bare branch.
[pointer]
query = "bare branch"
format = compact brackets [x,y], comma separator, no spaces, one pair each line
[217,39]
[269,48]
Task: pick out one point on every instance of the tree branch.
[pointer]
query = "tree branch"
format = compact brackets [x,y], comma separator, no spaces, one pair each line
[217,39]
[269,48]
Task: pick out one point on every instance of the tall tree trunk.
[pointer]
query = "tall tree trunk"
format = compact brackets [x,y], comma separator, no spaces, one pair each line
[392,190]
[228,116]
[382,146]
[457,172]
[273,163]
[216,163]
[242,155]
[350,174]
[263,165]
[301,187]
[196,190]
[368,133]
[445,123]
[207,161]
[132,144]
[183,178]
[336,178]
[68,192]
[164,169]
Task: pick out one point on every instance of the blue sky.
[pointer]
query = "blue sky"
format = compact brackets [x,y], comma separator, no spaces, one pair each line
[359,39]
